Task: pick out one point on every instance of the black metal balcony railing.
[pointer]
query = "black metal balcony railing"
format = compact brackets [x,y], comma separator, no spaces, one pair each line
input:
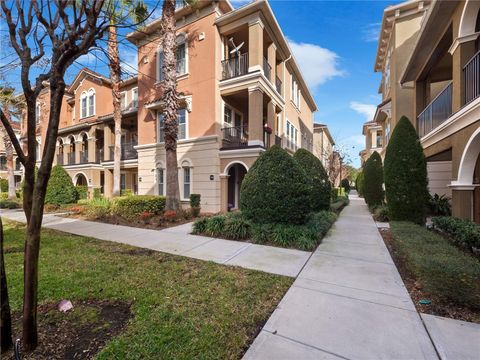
[278,85]
[71,158]
[128,151]
[471,77]
[267,69]
[436,112]
[234,137]
[236,66]
[83,157]
[60,159]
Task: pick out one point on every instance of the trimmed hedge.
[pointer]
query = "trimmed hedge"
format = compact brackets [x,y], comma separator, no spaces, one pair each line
[82,191]
[60,189]
[195,204]
[98,208]
[373,180]
[4,185]
[9,204]
[406,180]
[345,183]
[275,189]
[445,271]
[317,177]
[237,227]
[360,183]
[130,207]
[464,232]
[339,204]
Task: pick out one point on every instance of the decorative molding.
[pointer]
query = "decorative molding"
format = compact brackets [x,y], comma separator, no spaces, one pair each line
[461,40]
[212,138]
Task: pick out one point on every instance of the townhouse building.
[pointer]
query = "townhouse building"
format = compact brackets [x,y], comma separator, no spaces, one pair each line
[241,92]
[444,72]
[86,132]
[17,166]
[323,143]
[399,31]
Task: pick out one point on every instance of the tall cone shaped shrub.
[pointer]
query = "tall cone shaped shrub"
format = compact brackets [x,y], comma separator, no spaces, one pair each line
[320,188]
[359,183]
[275,189]
[373,180]
[405,172]
[60,189]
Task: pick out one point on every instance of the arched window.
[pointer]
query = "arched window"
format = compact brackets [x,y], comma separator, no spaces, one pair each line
[91,102]
[181,56]
[83,105]
[87,103]
[161,179]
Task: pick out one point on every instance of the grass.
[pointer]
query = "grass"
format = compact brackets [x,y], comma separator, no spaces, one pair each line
[445,271]
[182,308]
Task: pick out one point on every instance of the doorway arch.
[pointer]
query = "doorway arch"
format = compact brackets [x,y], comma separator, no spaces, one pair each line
[80,180]
[236,172]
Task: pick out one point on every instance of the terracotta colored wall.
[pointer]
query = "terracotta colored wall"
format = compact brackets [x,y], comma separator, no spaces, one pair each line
[103,99]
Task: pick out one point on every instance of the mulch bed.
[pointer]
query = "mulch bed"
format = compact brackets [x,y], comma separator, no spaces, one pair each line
[414,287]
[79,333]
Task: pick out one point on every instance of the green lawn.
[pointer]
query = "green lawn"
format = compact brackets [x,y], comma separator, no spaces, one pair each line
[182,308]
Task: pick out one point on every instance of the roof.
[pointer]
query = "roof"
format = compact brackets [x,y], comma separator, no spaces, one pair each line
[388,21]
[324,128]
[264,7]
[85,71]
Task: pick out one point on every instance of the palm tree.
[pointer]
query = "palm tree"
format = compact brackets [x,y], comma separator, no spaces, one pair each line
[137,11]
[11,105]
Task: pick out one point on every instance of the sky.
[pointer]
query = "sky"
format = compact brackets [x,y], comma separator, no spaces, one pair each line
[334,43]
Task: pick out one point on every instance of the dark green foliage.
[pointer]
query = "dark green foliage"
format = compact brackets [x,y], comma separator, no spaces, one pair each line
[360,183]
[380,213]
[130,207]
[462,231]
[275,189]
[82,191]
[339,204]
[9,204]
[445,271]
[235,226]
[195,204]
[406,181]
[345,183]
[97,193]
[60,189]
[439,205]
[317,178]
[3,185]
[373,180]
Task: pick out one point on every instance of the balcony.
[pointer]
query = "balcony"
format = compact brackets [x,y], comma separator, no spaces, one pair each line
[71,158]
[471,77]
[267,69]
[128,151]
[235,137]
[436,112]
[60,159]
[234,67]
[83,157]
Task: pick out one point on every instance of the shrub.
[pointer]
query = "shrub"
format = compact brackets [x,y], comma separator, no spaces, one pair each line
[237,227]
[9,204]
[445,271]
[345,183]
[3,195]
[339,204]
[373,180]
[200,226]
[215,225]
[319,184]
[439,205]
[98,208]
[275,189]
[406,175]
[82,191]
[4,185]
[359,183]
[380,213]
[126,192]
[464,232]
[130,207]
[97,193]
[321,222]
[60,189]
[195,204]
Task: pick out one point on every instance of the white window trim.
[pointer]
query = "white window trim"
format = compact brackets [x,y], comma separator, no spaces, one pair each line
[157,179]
[160,50]
[122,94]
[186,164]
[234,110]
[91,92]
[186,125]
[133,97]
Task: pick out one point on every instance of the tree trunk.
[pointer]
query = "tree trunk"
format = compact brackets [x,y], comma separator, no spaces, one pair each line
[5,319]
[10,168]
[170,99]
[117,111]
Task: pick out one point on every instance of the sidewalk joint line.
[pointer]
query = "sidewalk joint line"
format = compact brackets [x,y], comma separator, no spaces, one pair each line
[238,252]
[323,252]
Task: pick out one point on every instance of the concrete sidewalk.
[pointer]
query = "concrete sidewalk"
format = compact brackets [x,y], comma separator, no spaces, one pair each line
[178,240]
[349,302]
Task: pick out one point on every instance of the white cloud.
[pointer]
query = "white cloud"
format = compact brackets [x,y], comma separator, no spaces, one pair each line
[316,63]
[368,110]
[371,32]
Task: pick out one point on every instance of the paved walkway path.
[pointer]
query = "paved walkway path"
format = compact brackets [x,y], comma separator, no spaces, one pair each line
[178,240]
[348,302]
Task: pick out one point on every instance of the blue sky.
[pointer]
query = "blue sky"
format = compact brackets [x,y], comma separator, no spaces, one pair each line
[334,43]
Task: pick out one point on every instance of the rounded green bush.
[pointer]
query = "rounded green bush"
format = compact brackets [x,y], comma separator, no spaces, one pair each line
[60,189]
[3,185]
[275,189]
[320,188]
[373,180]
[405,170]
[130,207]
[345,183]
[359,183]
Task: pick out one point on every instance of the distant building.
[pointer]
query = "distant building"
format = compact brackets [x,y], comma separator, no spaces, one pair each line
[322,143]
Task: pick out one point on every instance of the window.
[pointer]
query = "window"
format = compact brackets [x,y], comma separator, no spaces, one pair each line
[186,182]
[161,181]
[292,135]
[83,110]
[91,102]
[379,138]
[295,92]
[135,98]
[227,116]
[37,112]
[182,125]
[87,100]
[123,100]
[181,57]
[123,182]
